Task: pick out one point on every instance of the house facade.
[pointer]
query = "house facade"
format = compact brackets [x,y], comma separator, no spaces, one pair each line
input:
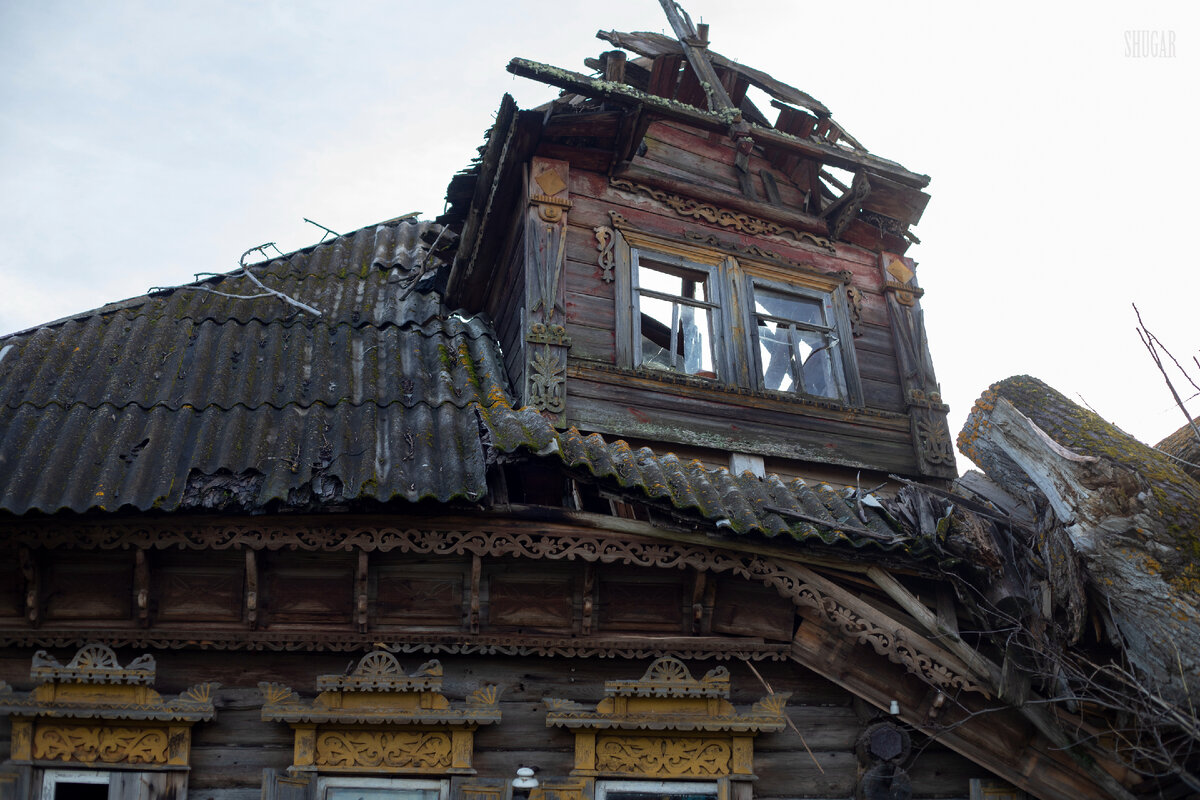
[576,493]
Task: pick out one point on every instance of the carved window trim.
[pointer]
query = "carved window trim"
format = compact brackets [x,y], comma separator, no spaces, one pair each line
[94,713]
[735,333]
[667,726]
[378,719]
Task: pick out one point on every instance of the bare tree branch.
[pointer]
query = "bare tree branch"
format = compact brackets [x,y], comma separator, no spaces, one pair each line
[1152,345]
[245,271]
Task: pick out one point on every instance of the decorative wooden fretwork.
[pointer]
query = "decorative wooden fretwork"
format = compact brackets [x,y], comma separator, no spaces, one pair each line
[606,259]
[93,711]
[726,218]
[380,719]
[854,619]
[927,413]
[667,724]
[545,304]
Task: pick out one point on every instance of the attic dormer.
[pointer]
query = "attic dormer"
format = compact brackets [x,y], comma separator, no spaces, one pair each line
[664,264]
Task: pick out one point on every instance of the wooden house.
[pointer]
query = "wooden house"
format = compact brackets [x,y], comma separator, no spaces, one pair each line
[589,477]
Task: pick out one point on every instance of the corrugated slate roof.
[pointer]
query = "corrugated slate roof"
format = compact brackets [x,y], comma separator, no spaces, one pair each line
[188,398]
[771,506]
[191,399]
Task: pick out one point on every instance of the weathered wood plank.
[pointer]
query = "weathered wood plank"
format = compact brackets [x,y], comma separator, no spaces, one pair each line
[625,405]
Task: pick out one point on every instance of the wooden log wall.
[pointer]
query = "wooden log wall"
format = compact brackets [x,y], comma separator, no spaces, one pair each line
[605,398]
[229,754]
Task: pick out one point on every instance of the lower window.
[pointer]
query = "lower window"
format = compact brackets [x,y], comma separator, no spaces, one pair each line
[655,790]
[64,784]
[381,789]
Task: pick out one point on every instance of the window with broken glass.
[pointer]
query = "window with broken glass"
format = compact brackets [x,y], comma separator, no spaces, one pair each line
[674,309]
[797,341]
[760,326]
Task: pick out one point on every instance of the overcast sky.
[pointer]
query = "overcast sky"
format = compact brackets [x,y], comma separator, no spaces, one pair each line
[143,142]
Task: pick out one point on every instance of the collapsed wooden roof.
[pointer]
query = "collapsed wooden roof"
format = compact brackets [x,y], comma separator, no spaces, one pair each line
[599,122]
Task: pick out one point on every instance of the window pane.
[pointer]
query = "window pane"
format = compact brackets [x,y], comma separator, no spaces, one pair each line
[775,351]
[675,335]
[816,355]
[665,280]
[790,307]
[379,793]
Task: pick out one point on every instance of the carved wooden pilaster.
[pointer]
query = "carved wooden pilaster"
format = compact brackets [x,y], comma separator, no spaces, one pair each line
[926,412]
[545,306]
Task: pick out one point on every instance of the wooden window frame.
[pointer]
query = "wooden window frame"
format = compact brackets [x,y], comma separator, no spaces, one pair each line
[324,782]
[716,789]
[51,777]
[735,332]
[832,296]
[630,249]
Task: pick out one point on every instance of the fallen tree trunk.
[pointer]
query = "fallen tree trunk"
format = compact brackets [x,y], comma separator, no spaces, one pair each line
[1185,448]
[1126,512]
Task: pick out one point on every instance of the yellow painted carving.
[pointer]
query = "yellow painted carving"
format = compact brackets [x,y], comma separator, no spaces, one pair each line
[551,182]
[742,757]
[305,749]
[401,751]
[95,744]
[900,271]
[663,756]
[22,740]
[95,694]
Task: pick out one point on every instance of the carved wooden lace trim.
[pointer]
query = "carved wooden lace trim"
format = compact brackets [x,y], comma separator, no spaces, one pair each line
[918,658]
[726,218]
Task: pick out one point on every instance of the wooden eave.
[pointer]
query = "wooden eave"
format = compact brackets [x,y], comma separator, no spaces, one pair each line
[512,140]
[707,120]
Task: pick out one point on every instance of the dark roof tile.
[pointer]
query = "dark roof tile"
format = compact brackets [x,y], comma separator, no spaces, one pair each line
[190,398]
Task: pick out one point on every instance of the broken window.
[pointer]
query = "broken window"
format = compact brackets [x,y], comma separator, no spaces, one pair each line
[768,327]
[673,312]
[797,341]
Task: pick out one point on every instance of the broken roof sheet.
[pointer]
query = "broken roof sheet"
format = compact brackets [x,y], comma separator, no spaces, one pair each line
[740,503]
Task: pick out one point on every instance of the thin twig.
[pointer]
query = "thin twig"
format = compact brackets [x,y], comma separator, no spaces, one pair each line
[267,290]
[786,718]
[1146,338]
[328,231]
